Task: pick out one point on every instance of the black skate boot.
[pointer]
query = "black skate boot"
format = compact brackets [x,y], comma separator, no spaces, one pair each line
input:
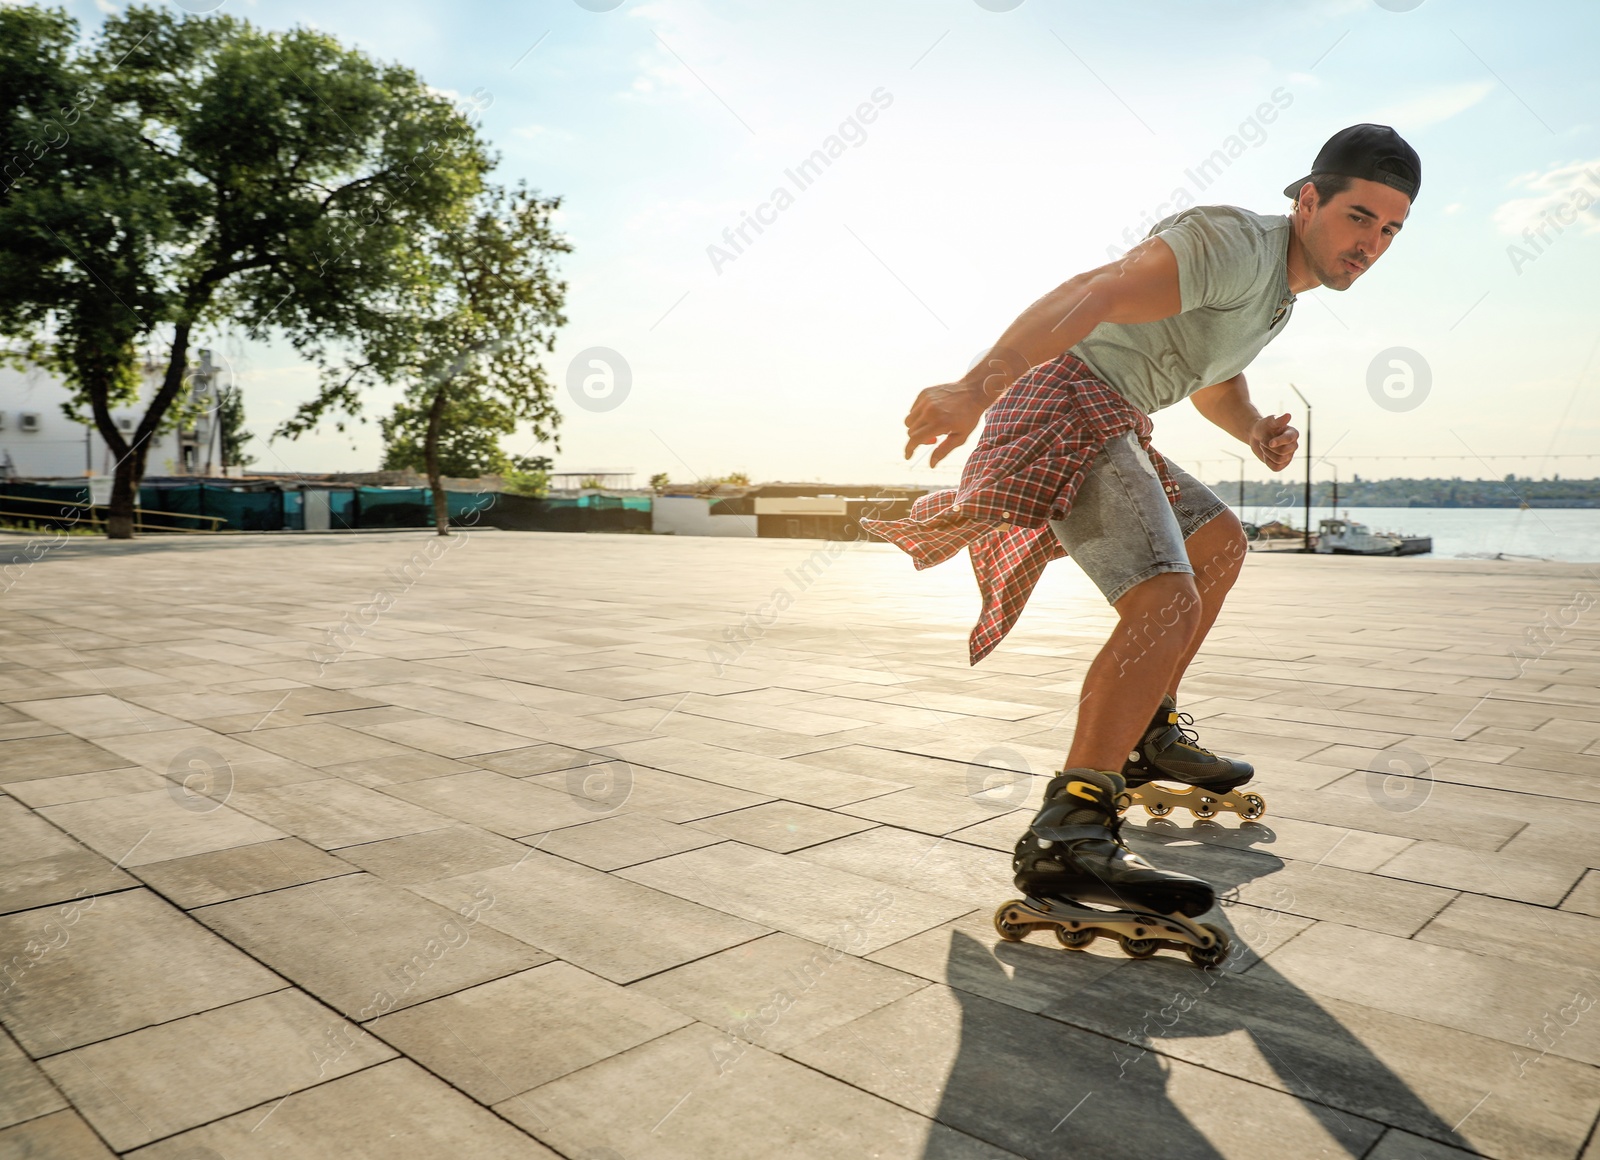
[1169,751]
[1072,860]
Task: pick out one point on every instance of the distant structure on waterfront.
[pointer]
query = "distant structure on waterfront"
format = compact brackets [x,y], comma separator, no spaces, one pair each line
[1509,492]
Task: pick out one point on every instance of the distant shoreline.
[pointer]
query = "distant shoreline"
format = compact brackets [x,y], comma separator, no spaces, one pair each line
[1533,505]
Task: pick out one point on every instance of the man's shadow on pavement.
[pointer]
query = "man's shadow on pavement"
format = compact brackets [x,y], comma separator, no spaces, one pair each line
[1085,1081]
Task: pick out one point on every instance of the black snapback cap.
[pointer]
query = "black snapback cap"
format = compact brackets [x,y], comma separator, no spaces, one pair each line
[1372,152]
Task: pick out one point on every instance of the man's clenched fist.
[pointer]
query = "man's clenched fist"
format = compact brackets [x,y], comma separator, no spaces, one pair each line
[1273,441]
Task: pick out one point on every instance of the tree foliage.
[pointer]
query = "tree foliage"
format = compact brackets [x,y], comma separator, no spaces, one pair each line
[232,433]
[183,174]
[469,437]
[467,348]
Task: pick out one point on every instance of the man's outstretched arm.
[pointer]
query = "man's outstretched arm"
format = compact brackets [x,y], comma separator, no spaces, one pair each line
[1141,286]
[1228,405]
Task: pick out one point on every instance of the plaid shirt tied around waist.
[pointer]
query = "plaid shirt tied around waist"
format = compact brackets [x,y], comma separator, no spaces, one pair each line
[1038,441]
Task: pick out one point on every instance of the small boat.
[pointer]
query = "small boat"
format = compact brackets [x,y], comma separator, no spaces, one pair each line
[1347,537]
[1415,545]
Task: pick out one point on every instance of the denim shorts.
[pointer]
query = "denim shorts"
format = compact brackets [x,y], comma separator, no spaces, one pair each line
[1122,529]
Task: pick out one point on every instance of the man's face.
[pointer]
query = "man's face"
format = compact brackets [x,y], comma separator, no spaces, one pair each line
[1346,234]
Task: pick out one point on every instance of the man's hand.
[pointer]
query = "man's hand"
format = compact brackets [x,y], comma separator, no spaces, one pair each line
[1273,441]
[949,411]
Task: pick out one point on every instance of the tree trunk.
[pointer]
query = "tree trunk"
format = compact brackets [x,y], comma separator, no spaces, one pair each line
[124,500]
[131,456]
[441,508]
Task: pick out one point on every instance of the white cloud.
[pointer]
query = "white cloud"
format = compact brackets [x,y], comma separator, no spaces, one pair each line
[1563,190]
[1454,207]
[1433,107]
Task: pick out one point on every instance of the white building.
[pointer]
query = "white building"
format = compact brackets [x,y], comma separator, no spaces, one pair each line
[691,515]
[37,440]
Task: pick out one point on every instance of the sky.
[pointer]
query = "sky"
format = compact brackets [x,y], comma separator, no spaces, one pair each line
[988,151]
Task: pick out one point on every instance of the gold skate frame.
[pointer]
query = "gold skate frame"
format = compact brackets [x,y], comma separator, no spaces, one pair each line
[1140,935]
[1160,800]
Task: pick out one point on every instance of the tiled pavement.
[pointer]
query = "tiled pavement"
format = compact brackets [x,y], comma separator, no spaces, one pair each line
[632,847]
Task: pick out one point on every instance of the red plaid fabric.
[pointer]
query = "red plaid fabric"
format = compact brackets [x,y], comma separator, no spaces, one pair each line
[1038,441]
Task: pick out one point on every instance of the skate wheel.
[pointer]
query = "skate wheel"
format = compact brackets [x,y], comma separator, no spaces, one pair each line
[1158,809]
[1255,805]
[1076,939]
[1010,931]
[1204,808]
[1216,953]
[1137,948]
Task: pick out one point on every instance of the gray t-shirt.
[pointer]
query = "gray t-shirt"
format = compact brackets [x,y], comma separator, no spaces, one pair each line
[1233,283]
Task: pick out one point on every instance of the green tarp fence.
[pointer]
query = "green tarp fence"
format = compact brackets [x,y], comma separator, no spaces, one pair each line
[226,507]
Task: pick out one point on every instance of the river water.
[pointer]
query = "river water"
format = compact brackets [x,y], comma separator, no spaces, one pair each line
[1546,533]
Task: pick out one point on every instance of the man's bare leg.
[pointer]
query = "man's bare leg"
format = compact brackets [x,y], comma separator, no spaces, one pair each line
[1216,551]
[1161,625]
[1157,622]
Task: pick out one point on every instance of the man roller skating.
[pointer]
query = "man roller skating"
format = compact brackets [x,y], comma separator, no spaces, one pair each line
[1065,467]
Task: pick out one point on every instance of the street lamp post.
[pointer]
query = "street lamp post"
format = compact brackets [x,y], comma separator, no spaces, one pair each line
[1307,454]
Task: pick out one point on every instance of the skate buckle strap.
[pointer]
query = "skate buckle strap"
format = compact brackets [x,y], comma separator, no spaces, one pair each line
[1170,735]
[1176,733]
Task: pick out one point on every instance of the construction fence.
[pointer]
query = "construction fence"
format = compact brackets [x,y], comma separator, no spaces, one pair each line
[207,507]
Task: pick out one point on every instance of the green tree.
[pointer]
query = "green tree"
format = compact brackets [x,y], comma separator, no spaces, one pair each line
[534,483]
[467,349]
[231,434]
[469,437]
[214,176]
[660,481]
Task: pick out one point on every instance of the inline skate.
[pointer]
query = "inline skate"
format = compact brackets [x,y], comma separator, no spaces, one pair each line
[1078,877]
[1170,751]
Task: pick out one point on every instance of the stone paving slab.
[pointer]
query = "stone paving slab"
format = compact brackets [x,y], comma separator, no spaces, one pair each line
[61,1135]
[1447,1085]
[670,796]
[25,1091]
[694,1094]
[502,1038]
[1467,991]
[223,875]
[433,854]
[40,865]
[783,827]
[365,947]
[536,870]
[53,755]
[617,929]
[779,990]
[791,894]
[156,825]
[395,1111]
[496,802]
[1019,1081]
[108,964]
[161,1080]
[332,812]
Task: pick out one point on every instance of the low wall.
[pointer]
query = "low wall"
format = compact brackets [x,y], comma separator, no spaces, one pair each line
[690,515]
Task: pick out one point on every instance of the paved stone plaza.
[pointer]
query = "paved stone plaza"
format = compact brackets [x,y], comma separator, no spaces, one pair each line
[623,847]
